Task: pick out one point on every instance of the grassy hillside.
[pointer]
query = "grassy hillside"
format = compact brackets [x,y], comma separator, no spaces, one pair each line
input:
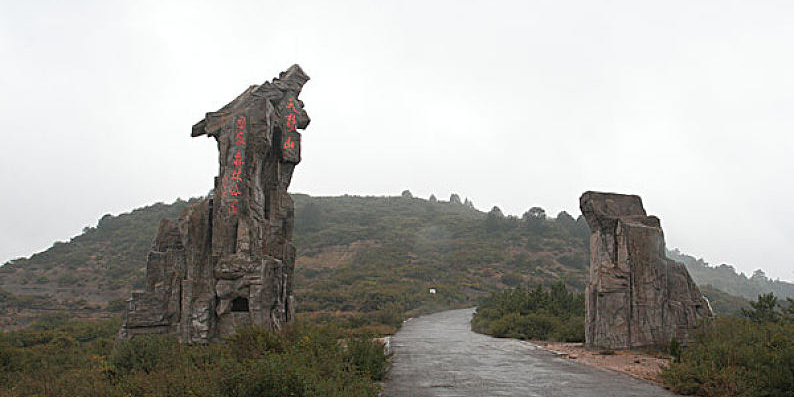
[368,259]
[381,255]
[91,273]
[373,255]
[725,278]
[723,302]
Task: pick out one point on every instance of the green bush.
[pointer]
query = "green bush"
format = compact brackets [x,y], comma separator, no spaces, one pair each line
[736,357]
[368,357]
[555,314]
[82,359]
[142,353]
[254,342]
[675,350]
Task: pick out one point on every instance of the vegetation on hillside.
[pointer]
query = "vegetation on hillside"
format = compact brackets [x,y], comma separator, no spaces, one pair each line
[362,261]
[57,358]
[364,264]
[94,270]
[725,278]
[556,314]
[394,249]
[751,356]
[723,303]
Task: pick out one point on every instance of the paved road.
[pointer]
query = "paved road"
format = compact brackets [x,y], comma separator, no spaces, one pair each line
[439,355]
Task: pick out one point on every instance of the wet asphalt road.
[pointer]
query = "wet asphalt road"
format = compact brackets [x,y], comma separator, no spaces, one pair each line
[439,355]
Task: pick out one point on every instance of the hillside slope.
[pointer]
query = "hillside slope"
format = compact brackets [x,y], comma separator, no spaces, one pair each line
[373,255]
[725,278]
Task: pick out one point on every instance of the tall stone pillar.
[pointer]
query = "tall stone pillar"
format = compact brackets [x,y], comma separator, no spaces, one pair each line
[636,297]
[230,260]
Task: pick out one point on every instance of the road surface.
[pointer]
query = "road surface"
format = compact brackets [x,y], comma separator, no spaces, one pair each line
[439,355]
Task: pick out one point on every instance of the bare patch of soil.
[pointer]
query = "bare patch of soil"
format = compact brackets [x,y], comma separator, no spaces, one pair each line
[641,365]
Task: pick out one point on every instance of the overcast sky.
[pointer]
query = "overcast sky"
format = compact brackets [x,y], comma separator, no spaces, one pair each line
[515,104]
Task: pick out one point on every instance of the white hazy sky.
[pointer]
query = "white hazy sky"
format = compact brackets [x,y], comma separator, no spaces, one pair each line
[516,104]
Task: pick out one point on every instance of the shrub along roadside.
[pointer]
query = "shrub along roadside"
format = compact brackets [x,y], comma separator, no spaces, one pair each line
[555,314]
[83,359]
[751,356]
[736,357]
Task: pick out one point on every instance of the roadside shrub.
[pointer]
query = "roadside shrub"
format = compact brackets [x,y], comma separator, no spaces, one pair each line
[736,357]
[368,357]
[570,330]
[555,314]
[83,359]
[675,350]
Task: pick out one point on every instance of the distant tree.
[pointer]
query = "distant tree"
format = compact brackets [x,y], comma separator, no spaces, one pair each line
[494,219]
[538,298]
[103,221]
[537,212]
[759,275]
[566,221]
[561,299]
[433,198]
[407,194]
[468,203]
[512,222]
[496,211]
[788,311]
[582,229]
[763,310]
[575,227]
[725,268]
[454,198]
[565,218]
[534,218]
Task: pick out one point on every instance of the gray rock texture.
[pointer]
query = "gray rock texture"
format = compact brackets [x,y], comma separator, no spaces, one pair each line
[229,260]
[636,297]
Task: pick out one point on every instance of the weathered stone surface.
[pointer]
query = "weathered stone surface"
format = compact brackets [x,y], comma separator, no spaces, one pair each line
[636,296]
[229,260]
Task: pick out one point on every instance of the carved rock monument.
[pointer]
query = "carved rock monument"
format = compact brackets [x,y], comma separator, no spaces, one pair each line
[229,260]
[635,297]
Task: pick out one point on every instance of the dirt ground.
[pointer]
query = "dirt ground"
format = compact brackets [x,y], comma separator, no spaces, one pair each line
[638,364]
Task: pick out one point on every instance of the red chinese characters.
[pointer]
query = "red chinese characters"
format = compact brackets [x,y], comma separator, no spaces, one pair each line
[234,191]
[291,122]
[289,144]
[291,105]
[236,175]
[240,128]
[230,186]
